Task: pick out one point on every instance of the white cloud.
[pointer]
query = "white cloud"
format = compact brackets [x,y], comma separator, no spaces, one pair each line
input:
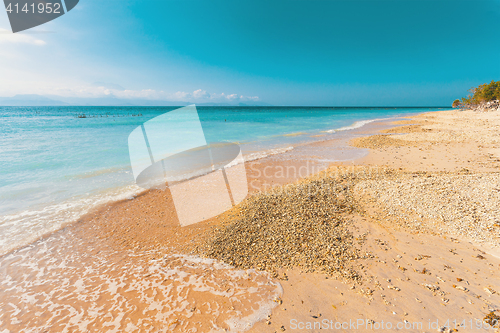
[94,91]
[108,85]
[201,95]
[181,95]
[8,37]
[145,93]
[232,97]
[97,90]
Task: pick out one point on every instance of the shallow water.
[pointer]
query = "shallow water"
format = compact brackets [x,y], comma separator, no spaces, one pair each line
[63,284]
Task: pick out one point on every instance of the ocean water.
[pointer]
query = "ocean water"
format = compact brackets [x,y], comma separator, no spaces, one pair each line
[56,165]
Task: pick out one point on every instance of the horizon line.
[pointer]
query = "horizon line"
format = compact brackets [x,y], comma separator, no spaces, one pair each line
[238,106]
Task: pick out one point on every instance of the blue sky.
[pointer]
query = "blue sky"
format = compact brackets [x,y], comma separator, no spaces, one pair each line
[314,52]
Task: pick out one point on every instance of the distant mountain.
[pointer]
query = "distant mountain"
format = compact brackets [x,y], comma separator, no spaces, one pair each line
[53,100]
[30,100]
[254,104]
[228,104]
[113,101]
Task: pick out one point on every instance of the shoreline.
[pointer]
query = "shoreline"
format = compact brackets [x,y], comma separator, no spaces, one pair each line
[391,275]
[112,196]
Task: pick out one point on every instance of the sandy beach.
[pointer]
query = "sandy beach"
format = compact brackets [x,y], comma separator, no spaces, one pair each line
[406,238]
[430,219]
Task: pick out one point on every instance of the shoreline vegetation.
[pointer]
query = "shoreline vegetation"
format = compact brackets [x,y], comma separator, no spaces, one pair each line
[485,97]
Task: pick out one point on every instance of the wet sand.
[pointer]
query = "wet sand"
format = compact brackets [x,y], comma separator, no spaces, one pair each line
[129,266]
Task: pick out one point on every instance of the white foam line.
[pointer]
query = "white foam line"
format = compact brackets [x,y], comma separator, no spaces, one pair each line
[17,230]
[21,229]
[263,154]
[107,292]
[355,125]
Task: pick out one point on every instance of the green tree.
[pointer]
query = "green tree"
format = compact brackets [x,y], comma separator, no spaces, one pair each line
[456,103]
[483,93]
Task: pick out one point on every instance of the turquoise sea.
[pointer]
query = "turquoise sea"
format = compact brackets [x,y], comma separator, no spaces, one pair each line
[58,162]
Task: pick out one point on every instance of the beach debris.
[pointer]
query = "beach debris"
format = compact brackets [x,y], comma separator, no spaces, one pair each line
[423,271]
[420,257]
[460,288]
[447,203]
[489,290]
[379,141]
[430,287]
[367,291]
[299,225]
[492,319]
[393,288]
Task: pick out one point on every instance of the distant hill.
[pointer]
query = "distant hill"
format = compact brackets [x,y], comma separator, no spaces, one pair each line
[52,100]
[254,104]
[30,100]
[113,101]
[238,104]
